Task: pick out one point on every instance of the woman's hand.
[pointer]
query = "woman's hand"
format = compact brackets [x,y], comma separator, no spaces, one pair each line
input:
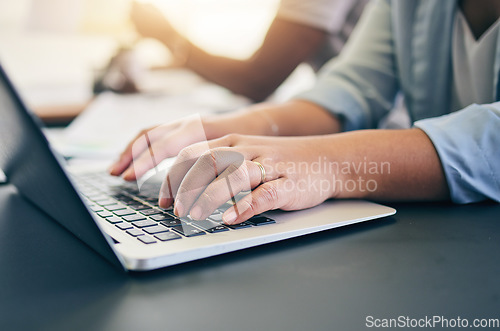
[302,172]
[150,22]
[153,145]
[201,180]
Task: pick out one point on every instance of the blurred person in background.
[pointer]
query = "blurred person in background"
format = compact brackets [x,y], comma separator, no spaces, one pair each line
[311,31]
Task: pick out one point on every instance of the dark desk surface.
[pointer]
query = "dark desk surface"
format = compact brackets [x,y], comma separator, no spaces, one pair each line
[429,259]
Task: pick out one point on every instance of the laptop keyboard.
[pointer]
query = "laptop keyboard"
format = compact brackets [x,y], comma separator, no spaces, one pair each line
[136,212]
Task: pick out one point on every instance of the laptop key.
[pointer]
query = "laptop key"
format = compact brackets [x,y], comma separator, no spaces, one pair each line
[209,226]
[124,226]
[216,217]
[172,222]
[161,217]
[147,239]
[165,236]
[135,232]
[218,228]
[188,230]
[133,218]
[123,198]
[104,214]
[242,225]
[152,198]
[123,212]
[138,206]
[155,229]
[98,197]
[144,223]
[113,219]
[148,212]
[96,208]
[115,207]
[106,202]
[260,220]
[170,213]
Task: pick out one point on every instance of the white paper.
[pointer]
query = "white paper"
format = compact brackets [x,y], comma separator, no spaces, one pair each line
[111,121]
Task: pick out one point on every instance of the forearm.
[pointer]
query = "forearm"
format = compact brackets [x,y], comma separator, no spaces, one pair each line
[389,165]
[239,76]
[286,45]
[294,118]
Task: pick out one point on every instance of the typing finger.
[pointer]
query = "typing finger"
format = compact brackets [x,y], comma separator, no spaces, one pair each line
[168,146]
[268,196]
[138,144]
[203,172]
[235,179]
[185,160]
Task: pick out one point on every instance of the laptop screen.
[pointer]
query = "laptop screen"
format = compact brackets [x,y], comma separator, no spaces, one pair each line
[32,167]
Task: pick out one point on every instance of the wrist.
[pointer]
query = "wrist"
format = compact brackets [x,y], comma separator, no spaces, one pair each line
[266,123]
[247,121]
[260,119]
[213,126]
[346,169]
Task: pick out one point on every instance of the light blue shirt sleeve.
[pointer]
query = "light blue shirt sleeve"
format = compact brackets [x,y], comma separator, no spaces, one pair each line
[387,53]
[360,85]
[468,145]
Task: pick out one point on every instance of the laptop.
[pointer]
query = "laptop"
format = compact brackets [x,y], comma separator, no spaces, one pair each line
[124,223]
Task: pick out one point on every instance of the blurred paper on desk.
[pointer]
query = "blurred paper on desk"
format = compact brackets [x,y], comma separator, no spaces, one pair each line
[111,121]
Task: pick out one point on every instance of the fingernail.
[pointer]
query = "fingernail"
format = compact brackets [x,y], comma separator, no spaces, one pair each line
[178,209]
[229,216]
[127,175]
[112,169]
[163,202]
[195,213]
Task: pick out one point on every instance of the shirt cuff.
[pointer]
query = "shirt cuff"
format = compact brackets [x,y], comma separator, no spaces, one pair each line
[467,143]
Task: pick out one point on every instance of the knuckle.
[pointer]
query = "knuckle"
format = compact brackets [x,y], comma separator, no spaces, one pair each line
[232,138]
[249,206]
[268,196]
[186,153]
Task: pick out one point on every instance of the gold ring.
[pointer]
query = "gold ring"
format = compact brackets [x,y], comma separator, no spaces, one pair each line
[262,171]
